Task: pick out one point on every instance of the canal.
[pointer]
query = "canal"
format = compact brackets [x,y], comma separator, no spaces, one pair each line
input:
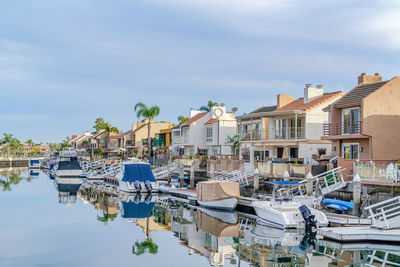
[47,222]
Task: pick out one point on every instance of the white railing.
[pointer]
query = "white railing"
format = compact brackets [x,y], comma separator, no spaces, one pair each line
[385,214]
[164,171]
[240,175]
[377,172]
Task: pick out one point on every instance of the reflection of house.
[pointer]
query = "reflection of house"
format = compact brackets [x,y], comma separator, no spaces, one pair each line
[205,132]
[292,128]
[364,123]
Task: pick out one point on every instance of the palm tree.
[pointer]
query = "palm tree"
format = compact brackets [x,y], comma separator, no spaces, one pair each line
[30,143]
[142,111]
[109,129]
[99,124]
[210,104]
[182,119]
[106,217]
[142,246]
[8,138]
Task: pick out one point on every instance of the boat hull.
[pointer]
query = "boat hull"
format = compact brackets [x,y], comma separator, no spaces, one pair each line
[69,173]
[223,204]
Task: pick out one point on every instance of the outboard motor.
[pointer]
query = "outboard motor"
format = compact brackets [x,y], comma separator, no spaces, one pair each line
[309,218]
[137,186]
[147,184]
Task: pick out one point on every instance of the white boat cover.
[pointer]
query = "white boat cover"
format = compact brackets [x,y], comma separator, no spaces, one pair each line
[217,190]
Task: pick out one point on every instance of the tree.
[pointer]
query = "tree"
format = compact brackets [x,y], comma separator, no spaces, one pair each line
[182,119]
[31,144]
[8,138]
[234,141]
[140,248]
[109,129]
[142,111]
[106,217]
[99,124]
[210,104]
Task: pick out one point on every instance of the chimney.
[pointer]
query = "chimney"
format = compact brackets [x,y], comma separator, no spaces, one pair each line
[283,100]
[312,93]
[364,78]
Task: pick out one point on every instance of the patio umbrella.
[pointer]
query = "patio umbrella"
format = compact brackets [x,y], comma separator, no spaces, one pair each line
[198,151]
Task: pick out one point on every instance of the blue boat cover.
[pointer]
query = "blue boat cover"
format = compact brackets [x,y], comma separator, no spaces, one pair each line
[337,207]
[138,172]
[34,161]
[346,204]
[132,210]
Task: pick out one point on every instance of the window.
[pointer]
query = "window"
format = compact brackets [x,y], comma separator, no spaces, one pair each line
[280,129]
[256,131]
[209,135]
[351,121]
[203,152]
[350,151]
[279,152]
[176,133]
[261,155]
[294,152]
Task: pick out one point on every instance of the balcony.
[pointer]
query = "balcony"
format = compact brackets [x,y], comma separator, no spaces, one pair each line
[353,128]
[289,133]
[159,142]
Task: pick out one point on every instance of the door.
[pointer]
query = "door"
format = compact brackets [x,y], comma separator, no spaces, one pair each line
[350,151]
[279,152]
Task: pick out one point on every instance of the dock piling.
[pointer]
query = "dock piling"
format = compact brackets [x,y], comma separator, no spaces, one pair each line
[309,185]
[356,194]
[256,180]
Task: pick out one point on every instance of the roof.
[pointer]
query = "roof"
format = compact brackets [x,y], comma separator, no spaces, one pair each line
[358,93]
[264,109]
[299,104]
[211,121]
[177,126]
[97,134]
[125,133]
[193,119]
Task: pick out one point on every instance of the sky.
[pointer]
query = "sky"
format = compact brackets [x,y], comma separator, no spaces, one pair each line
[64,63]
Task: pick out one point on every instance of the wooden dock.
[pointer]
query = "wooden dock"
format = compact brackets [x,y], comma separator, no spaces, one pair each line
[360,234]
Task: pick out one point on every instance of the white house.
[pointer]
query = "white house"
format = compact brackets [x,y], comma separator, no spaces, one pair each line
[291,129]
[205,133]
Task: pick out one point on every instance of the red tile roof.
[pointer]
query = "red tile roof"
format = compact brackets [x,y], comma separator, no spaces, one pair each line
[211,121]
[193,119]
[298,104]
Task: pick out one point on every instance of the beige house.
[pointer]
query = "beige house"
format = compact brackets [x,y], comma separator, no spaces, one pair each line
[109,141]
[364,123]
[132,140]
[291,129]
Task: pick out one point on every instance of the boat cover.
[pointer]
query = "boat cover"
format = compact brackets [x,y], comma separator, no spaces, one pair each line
[217,190]
[133,210]
[138,172]
[35,161]
[216,227]
[328,201]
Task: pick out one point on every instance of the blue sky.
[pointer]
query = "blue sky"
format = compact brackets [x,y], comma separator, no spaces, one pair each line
[64,63]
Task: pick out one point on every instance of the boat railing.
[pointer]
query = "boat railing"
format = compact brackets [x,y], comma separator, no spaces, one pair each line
[385,214]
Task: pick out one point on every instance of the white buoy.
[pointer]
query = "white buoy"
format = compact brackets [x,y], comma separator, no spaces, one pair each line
[286,176]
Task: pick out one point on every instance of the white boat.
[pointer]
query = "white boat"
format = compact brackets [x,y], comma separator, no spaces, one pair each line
[218,194]
[136,177]
[67,189]
[35,163]
[68,164]
[288,214]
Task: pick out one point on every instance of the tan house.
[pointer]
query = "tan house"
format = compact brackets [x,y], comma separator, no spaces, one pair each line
[364,123]
[132,140]
[109,141]
[291,129]
[80,141]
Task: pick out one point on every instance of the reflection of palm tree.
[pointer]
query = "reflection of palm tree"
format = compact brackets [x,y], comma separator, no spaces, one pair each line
[106,217]
[140,248]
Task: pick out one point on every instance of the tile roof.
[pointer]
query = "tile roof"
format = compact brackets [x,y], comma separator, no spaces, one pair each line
[299,104]
[193,119]
[358,93]
[211,121]
[264,109]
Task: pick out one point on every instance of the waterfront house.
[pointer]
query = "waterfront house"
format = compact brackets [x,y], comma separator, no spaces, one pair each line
[289,129]
[205,133]
[94,140]
[164,137]
[364,123]
[78,142]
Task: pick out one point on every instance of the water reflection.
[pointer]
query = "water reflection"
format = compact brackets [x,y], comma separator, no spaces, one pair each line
[10,177]
[67,189]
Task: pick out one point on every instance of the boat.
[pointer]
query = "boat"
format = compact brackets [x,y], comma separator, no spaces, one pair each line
[67,189]
[35,163]
[68,164]
[137,206]
[218,194]
[288,214]
[136,177]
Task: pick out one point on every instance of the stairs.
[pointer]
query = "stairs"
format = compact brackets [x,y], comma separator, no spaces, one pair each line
[385,215]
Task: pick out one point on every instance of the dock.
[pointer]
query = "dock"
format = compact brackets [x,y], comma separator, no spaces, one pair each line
[359,234]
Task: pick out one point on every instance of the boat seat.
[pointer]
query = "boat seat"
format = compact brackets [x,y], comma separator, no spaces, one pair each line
[137,185]
[148,186]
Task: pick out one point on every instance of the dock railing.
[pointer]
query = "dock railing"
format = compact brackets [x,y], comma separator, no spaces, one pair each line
[386,214]
[241,175]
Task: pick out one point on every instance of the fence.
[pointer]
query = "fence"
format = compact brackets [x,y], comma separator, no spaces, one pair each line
[377,171]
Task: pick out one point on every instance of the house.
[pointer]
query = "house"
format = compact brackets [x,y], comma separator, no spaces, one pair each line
[79,141]
[106,141]
[164,137]
[364,123]
[289,129]
[132,140]
[205,133]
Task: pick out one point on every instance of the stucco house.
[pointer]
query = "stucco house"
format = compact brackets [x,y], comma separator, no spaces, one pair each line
[364,124]
[78,142]
[289,129]
[205,133]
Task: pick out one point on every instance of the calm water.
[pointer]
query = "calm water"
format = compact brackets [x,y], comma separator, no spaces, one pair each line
[47,222]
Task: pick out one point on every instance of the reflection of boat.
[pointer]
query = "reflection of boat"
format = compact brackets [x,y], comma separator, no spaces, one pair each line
[33,172]
[34,163]
[224,216]
[137,206]
[210,222]
[218,194]
[136,177]
[67,189]
[288,214]
[68,164]
[268,235]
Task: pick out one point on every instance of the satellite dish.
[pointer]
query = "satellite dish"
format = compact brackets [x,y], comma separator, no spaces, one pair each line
[234,109]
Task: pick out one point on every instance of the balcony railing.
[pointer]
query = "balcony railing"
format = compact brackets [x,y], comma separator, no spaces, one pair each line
[159,142]
[278,134]
[330,129]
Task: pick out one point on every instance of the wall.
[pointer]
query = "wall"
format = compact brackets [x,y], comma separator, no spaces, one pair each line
[381,120]
[309,149]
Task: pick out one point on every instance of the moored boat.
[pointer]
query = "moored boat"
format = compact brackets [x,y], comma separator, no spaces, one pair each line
[136,177]
[68,164]
[218,194]
[34,163]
